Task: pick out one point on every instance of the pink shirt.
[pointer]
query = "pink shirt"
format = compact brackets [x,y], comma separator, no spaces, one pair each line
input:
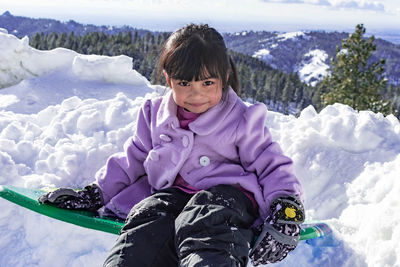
[185,117]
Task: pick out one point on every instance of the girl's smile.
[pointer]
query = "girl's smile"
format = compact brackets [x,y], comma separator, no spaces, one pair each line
[196,104]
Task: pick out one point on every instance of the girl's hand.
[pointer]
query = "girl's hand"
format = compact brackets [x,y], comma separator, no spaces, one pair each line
[280,233]
[90,198]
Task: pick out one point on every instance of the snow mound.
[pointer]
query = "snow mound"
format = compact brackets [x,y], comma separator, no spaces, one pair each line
[349,165]
[369,223]
[19,61]
[109,69]
[37,79]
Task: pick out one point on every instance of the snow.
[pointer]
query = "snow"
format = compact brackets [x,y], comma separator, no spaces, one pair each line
[62,114]
[289,35]
[313,68]
[243,33]
[263,54]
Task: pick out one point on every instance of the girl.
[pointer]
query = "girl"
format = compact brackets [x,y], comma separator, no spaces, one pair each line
[201,172]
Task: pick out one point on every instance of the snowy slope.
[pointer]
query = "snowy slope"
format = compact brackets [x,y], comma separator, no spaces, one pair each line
[62,114]
[313,67]
[289,35]
[313,64]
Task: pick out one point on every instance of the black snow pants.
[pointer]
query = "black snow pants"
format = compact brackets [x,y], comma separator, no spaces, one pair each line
[174,228]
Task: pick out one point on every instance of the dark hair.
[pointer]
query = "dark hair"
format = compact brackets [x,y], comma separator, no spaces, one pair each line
[198,52]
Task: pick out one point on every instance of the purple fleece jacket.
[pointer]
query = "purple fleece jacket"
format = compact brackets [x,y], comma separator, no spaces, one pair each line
[228,144]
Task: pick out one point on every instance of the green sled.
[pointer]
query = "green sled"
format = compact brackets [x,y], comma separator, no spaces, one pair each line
[27,198]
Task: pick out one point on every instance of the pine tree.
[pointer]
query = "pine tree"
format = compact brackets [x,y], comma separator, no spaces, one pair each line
[267,86]
[62,38]
[254,85]
[287,94]
[355,80]
[35,41]
[244,78]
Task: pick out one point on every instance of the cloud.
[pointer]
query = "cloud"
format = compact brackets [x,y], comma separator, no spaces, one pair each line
[358,4]
[291,1]
[324,3]
[348,4]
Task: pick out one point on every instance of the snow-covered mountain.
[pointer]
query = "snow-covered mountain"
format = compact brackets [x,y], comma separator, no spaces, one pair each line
[307,53]
[21,26]
[313,67]
[63,114]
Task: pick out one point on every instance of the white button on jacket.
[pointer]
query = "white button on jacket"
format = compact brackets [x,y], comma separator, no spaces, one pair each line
[185,141]
[204,161]
[165,138]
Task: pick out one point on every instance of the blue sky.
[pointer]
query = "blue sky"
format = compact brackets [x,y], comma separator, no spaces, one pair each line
[225,15]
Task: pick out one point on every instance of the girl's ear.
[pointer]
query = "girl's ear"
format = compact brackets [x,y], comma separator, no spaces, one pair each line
[167,78]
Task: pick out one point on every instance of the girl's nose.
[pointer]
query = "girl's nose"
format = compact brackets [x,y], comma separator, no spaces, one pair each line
[196,89]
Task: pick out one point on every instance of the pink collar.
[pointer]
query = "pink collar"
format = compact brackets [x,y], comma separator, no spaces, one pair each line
[185,117]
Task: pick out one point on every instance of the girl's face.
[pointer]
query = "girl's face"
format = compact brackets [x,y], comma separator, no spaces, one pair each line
[196,96]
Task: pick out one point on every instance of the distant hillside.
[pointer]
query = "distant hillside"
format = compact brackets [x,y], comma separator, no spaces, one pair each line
[307,53]
[24,26]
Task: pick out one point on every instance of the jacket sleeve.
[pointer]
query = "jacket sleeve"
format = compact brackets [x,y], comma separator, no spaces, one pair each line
[125,168]
[260,155]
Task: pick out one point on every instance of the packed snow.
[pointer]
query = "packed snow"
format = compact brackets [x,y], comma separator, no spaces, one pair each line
[62,114]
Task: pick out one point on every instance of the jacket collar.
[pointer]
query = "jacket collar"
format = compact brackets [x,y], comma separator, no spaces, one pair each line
[203,125]
[166,114]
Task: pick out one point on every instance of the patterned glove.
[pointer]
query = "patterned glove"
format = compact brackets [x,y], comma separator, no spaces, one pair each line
[90,198]
[280,233]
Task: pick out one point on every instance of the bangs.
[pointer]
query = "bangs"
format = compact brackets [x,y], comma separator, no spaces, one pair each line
[196,60]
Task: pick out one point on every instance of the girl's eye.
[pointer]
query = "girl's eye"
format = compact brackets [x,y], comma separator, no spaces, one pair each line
[183,83]
[207,83]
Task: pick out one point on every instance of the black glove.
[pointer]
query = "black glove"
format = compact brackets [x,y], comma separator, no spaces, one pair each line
[280,233]
[90,198]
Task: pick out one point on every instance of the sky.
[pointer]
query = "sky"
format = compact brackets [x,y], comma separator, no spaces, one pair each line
[225,15]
